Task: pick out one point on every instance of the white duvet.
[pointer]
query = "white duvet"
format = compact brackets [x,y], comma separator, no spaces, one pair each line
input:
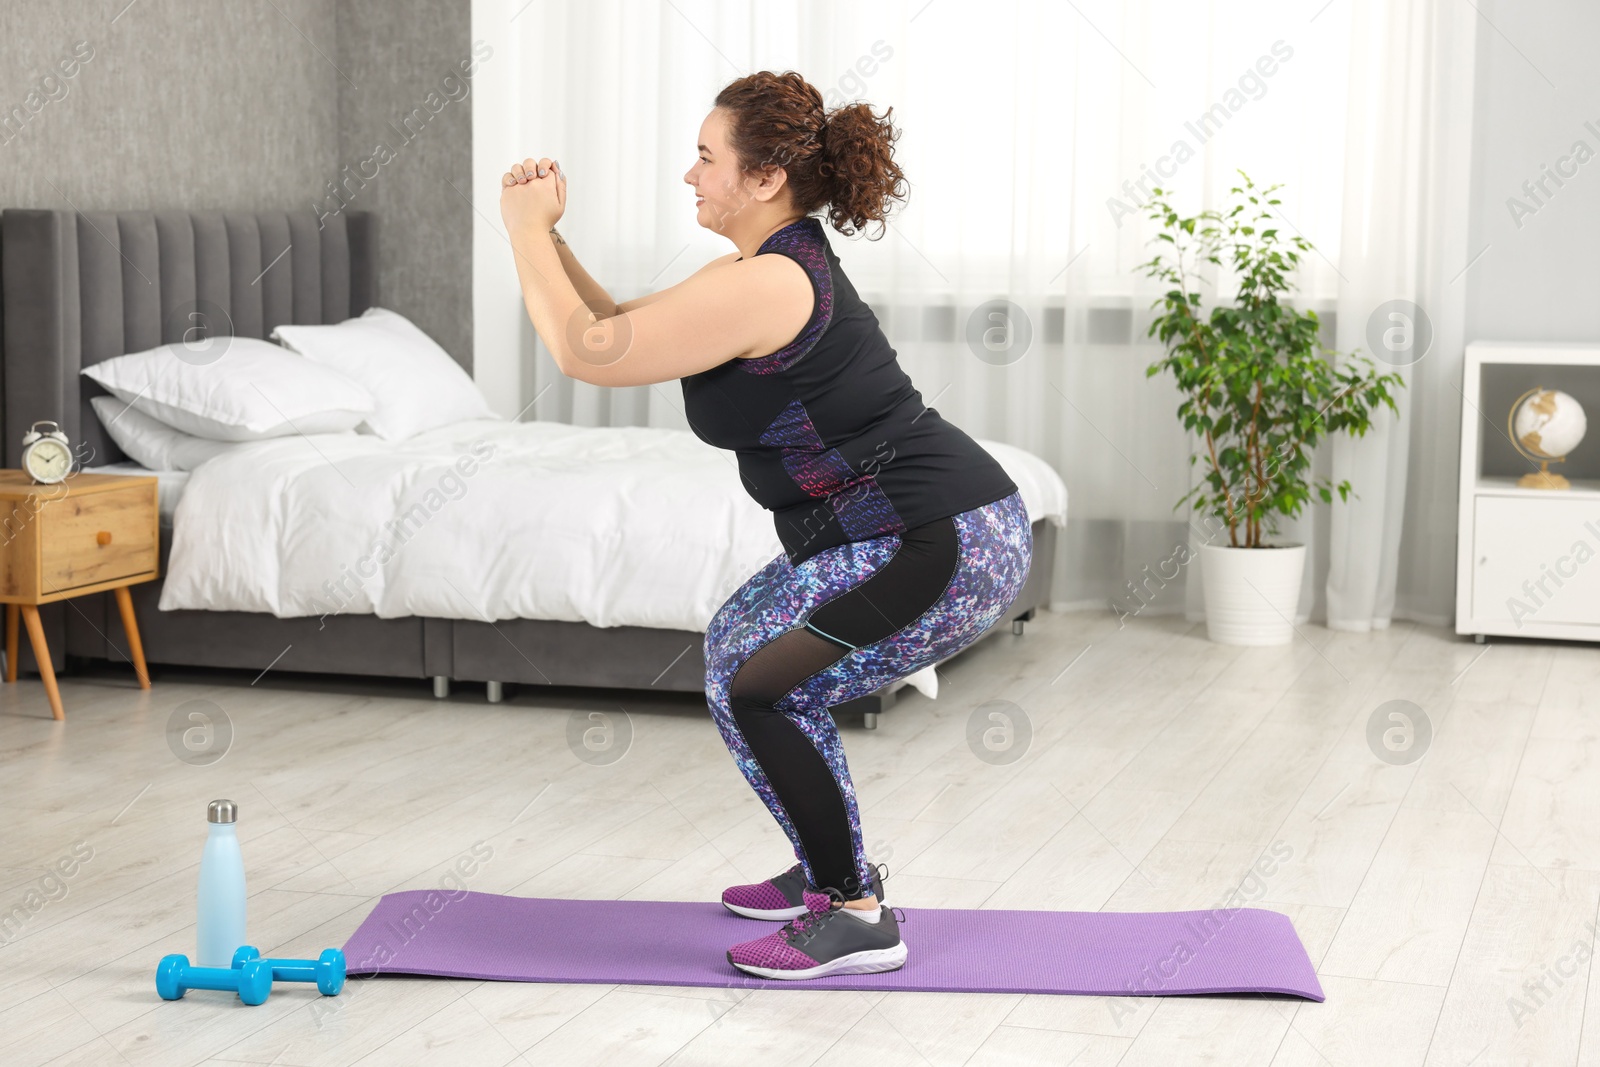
[488,520]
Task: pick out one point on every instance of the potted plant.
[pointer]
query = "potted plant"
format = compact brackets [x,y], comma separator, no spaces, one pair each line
[1259,395]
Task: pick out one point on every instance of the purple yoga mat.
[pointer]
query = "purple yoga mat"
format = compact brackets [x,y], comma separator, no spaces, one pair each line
[656,942]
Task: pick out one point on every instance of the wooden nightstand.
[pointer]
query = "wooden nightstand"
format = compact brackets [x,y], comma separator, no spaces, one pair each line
[90,533]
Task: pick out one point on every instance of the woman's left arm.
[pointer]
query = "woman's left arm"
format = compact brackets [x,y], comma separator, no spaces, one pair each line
[723,312]
[532,200]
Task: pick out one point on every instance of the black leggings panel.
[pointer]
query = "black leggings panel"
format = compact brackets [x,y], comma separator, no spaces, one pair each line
[893,597]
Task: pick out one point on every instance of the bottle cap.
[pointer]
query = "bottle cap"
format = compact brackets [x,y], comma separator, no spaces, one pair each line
[222,811]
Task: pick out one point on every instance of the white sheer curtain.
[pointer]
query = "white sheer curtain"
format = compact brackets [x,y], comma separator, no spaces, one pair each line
[1407,163]
[1028,128]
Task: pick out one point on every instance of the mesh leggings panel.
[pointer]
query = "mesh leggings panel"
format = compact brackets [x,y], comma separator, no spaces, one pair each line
[806,787]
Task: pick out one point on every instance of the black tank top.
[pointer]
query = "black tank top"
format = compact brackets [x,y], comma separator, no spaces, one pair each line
[831,435]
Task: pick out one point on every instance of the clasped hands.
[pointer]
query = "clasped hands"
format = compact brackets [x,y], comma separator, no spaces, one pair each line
[533,195]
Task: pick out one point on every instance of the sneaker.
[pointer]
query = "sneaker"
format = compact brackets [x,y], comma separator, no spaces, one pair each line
[784,896]
[822,943]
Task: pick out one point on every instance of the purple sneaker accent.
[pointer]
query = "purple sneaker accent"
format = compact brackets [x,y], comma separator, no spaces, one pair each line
[768,953]
[783,896]
[823,943]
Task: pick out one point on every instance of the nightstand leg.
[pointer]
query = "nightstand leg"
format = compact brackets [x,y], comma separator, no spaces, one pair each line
[41,653]
[130,625]
[11,642]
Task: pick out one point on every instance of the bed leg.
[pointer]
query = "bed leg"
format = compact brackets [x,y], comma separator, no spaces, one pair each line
[441,686]
[497,692]
[1016,627]
[869,720]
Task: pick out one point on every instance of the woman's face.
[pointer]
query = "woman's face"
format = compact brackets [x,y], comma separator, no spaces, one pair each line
[720,189]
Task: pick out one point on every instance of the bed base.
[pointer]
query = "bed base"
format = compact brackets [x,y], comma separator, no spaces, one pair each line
[517,652]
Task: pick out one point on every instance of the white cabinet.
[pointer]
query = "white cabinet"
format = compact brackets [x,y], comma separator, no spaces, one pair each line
[1536,562]
[1527,560]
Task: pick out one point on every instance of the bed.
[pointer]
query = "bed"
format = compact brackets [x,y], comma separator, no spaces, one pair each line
[583,557]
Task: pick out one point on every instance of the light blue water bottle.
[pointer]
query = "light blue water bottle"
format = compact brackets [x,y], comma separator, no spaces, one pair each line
[220,926]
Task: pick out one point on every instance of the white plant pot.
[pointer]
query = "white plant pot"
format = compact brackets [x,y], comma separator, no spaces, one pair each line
[1251,594]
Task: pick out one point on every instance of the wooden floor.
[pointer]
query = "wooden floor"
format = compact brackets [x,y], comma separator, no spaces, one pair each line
[1433,896]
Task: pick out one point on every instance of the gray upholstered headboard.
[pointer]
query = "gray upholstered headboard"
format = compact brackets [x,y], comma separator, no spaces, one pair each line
[78,288]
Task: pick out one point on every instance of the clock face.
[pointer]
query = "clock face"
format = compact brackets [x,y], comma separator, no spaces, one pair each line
[48,460]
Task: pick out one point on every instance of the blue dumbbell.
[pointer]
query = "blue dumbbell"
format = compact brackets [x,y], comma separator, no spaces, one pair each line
[327,970]
[175,977]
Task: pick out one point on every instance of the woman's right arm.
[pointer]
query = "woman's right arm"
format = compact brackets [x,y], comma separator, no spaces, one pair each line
[651,298]
[589,291]
[593,293]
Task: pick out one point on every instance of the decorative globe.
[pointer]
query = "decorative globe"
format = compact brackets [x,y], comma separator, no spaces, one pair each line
[1548,424]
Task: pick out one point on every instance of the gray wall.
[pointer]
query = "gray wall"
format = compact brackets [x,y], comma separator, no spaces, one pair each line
[253,105]
[1537,84]
[176,108]
[411,97]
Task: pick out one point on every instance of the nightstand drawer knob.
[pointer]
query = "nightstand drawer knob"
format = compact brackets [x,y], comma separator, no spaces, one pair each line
[103,537]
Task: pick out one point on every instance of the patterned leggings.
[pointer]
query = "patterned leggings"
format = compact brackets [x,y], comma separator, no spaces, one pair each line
[797,640]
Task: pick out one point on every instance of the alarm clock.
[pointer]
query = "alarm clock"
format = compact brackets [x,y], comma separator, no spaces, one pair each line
[45,455]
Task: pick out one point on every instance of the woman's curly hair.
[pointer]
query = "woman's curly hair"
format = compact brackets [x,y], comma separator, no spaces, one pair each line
[843,160]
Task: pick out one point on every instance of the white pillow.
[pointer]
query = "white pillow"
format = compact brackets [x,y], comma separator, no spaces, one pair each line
[252,391]
[153,444]
[415,383]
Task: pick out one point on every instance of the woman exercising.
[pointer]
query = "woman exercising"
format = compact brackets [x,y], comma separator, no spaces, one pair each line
[903,539]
